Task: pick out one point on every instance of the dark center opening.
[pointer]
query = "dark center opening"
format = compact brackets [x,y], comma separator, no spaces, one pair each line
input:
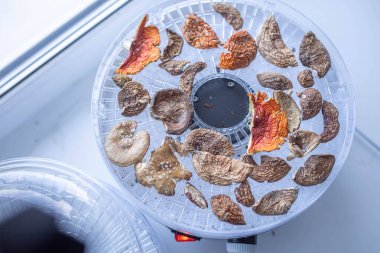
[221,101]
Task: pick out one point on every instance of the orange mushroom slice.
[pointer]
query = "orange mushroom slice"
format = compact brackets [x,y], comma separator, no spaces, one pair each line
[269,125]
[143,49]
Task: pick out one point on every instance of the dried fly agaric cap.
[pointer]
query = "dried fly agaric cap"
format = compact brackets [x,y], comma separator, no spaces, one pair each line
[195,196]
[226,210]
[133,99]
[174,67]
[269,125]
[311,102]
[330,122]
[174,47]
[143,49]
[230,14]
[187,78]
[274,81]
[293,113]
[316,170]
[276,202]
[302,142]
[244,194]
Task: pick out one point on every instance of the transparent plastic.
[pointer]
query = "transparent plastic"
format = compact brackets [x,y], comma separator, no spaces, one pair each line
[177,212]
[83,208]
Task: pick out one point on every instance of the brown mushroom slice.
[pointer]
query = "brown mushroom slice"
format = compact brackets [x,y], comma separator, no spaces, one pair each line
[258,173]
[244,194]
[174,47]
[248,159]
[124,146]
[177,146]
[208,140]
[220,170]
[289,106]
[121,79]
[272,47]
[174,67]
[316,170]
[311,103]
[302,142]
[174,109]
[230,14]
[305,78]
[313,54]
[133,99]
[271,169]
[274,81]
[163,171]
[277,202]
[195,196]
[226,210]
[331,123]
[187,78]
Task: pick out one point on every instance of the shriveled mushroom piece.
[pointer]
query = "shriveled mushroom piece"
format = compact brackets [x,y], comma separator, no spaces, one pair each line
[305,78]
[313,54]
[316,170]
[302,142]
[271,169]
[226,210]
[331,122]
[311,102]
[121,79]
[289,106]
[187,78]
[176,145]
[248,159]
[195,196]
[230,14]
[174,47]
[133,98]
[163,171]
[274,81]
[198,33]
[174,109]
[220,170]
[174,67]
[272,47]
[277,202]
[208,140]
[124,146]
[244,194]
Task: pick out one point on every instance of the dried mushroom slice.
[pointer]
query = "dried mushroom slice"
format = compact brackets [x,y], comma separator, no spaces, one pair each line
[174,47]
[124,146]
[121,79]
[133,99]
[302,142]
[271,169]
[163,171]
[230,14]
[311,103]
[176,145]
[305,78]
[269,125]
[313,54]
[242,49]
[199,34]
[272,47]
[244,194]
[143,49]
[187,78]
[331,123]
[174,109]
[274,81]
[277,202]
[174,67]
[195,196]
[220,170]
[316,170]
[208,140]
[226,210]
[248,159]
[293,113]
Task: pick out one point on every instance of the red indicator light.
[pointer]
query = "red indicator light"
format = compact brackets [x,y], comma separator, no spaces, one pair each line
[184,238]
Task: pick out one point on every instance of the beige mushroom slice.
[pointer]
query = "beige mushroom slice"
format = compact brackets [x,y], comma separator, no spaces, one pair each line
[121,79]
[244,194]
[174,109]
[220,170]
[174,67]
[274,81]
[277,202]
[187,78]
[163,171]
[305,78]
[272,47]
[174,47]
[124,146]
[316,170]
[230,14]
[302,142]
[177,146]
[226,210]
[330,122]
[313,54]
[195,196]
[208,140]
[311,102]
[133,99]
[293,113]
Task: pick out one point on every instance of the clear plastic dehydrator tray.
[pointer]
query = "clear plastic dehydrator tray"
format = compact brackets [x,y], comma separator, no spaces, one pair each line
[83,208]
[177,211]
